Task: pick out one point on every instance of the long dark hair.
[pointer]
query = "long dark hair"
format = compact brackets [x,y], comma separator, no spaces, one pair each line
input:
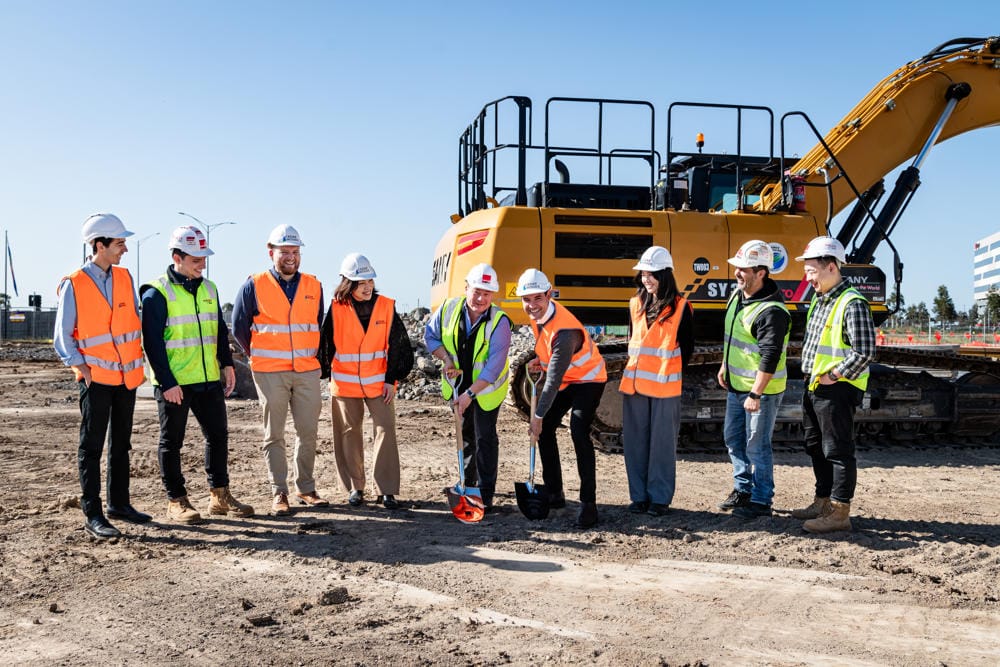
[343,292]
[666,293]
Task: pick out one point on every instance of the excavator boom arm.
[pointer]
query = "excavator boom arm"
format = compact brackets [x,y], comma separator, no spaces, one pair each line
[894,121]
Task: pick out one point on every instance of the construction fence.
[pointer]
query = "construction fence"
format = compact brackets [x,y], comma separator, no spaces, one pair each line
[27,324]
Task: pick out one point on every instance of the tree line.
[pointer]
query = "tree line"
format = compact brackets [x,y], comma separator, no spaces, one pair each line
[943,312]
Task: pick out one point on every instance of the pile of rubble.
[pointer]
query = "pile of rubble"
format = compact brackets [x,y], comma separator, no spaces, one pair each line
[425,378]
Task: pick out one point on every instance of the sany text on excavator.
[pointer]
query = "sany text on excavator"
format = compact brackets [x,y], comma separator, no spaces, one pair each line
[703,206]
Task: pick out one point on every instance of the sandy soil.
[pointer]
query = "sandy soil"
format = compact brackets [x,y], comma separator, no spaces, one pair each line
[915,583]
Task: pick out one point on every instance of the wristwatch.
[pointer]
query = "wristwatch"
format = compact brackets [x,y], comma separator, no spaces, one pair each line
[470,393]
[833,376]
[754,396]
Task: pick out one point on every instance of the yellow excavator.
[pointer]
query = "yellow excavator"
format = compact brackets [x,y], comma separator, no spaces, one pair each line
[702,206]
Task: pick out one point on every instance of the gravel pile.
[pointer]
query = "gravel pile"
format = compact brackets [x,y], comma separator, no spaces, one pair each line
[28,352]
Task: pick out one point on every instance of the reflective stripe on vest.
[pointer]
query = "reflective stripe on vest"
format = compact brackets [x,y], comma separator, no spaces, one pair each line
[587,365]
[741,353]
[452,313]
[832,349]
[191,334]
[109,336]
[285,336]
[654,355]
[360,361]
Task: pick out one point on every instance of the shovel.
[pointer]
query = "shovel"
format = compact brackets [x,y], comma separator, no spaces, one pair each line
[533,501]
[466,502]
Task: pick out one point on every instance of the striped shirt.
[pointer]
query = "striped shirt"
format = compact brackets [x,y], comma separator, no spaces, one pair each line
[859,333]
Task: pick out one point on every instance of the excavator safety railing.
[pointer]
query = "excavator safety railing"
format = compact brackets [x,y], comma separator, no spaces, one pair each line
[479,184]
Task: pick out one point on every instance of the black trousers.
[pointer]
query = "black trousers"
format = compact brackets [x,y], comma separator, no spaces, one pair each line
[481,449]
[209,408]
[583,400]
[828,418]
[102,405]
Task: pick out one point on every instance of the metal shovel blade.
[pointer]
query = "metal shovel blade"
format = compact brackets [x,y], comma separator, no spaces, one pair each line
[532,500]
[466,504]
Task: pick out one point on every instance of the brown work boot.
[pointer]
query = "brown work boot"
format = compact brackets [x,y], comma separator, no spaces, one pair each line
[839,518]
[181,511]
[819,507]
[312,499]
[222,502]
[280,505]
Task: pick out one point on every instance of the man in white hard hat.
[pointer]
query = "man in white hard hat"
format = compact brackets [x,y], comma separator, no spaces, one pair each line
[97,334]
[187,343]
[574,380]
[838,348]
[472,337]
[754,373]
[276,320]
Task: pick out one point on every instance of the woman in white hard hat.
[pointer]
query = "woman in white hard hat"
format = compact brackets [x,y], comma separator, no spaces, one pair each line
[661,341]
[365,351]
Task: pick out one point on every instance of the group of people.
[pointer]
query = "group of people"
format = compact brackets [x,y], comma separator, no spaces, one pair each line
[359,342]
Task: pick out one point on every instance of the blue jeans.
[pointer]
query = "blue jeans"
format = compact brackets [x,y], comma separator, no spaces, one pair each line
[748,439]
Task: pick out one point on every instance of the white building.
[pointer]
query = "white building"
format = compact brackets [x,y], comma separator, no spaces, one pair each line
[986,266]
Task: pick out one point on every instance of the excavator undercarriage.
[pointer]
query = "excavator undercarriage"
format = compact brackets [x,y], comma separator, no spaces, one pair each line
[915,397]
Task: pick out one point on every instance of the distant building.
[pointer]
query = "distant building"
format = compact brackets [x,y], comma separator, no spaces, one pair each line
[986,266]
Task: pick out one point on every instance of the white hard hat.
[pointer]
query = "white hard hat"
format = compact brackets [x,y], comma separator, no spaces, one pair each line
[104,225]
[285,235]
[357,267]
[656,258]
[190,240]
[824,246]
[532,281]
[482,276]
[752,254]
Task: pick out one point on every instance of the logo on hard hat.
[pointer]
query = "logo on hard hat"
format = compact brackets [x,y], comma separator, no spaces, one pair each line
[780,257]
[486,278]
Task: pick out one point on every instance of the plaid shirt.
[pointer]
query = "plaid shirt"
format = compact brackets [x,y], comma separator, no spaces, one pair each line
[859,333]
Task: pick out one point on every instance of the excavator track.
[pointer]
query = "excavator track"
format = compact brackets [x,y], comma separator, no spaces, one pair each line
[917,398]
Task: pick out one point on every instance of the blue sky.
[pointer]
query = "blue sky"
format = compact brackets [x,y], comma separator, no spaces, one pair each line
[343,118]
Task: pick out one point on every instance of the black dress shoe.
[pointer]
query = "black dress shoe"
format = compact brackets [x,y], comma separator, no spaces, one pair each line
[127,513]
[657,509]
[356,498]
[557,501]
[638,507]
[99,527]
[587,518]
[389,502]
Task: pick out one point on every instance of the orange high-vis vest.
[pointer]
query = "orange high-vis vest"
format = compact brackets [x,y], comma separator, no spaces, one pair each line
[654,356]
[285,336]
[109,336]
[587,365]
[360,361]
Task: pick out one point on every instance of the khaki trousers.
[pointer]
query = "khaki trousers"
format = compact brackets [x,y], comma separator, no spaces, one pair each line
[349,443]
[277,392]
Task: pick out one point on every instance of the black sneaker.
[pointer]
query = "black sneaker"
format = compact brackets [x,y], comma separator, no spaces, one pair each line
[735,499]
[638,507]
[356,498]
[752,510]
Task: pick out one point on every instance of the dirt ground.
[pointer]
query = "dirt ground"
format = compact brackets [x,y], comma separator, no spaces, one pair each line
[916,583]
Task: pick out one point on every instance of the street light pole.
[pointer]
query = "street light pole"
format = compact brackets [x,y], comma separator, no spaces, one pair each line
[208,234]
[138,255]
